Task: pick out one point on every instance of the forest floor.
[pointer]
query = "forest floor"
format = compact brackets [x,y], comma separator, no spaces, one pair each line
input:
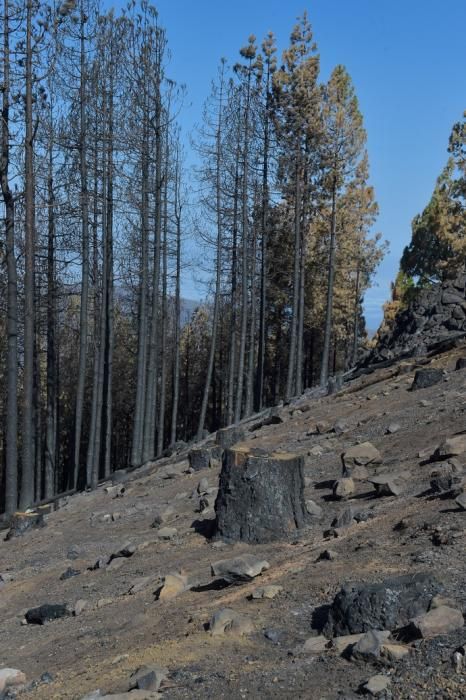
[118,632]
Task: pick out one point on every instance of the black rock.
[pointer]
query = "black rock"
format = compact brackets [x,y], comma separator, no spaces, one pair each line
[74,552]
[260,498]
[461,363]
[46,613]
[426,377]
[69,573]
[388,605]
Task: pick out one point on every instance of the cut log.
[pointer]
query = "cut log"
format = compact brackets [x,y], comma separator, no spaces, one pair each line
[261,497]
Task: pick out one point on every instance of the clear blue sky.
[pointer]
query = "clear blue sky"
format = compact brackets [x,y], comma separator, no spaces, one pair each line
[407,59]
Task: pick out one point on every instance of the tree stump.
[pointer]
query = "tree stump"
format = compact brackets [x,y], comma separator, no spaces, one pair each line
[261,497]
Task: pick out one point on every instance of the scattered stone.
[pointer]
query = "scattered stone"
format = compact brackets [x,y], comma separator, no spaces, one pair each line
[460,363]
[173,584]
[313,509]
[126,551]
[46,613]
[116,491]
[441,620]
[343,643]
[163,515]
[266,592]
[340,426]
[345,519]
[440,600]
[461,501]
[376,685]
[10,677]
[386,485]
[242,568]
[74,552]
[360,607]
[361,455]
[369,646]
[343,488]
[227,437]
[167,533]
[141,584]
[452,447]
[426,377]
[203,486]
[328,555]
[80,606]
[316,451]
[101,563]
[443,478]
[69,573]
[395,652]
[205,457]
[103,602]
[393,428]
[315,645]
[229,622]
[260,498]
[148,678]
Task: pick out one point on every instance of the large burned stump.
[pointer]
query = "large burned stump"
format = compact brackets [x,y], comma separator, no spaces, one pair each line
[260,498]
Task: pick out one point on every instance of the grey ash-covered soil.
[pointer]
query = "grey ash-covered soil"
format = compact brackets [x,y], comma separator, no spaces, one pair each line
[118,632]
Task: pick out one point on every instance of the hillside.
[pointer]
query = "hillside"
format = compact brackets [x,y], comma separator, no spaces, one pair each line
[113,632]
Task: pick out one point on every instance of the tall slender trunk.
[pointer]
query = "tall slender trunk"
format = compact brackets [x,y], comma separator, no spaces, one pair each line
[330,285]
[150,411]
[291,376]
[245,246]
[27,470]
[259,389]
[218,265]
[138,424]
[83,318]
[163,367]
[354,354]
[109,289]
[51,416]
[97,308]
[11,470]
[101,356]
[252,332]
[233,301]
[176,323]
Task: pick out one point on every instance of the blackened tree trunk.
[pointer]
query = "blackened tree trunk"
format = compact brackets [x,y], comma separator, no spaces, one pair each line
[260,498]
[218,263]
[330,285]
[83,318]
[138,424]
[176,321]
[27,462]
[11,470]
[51,408]
[291,376]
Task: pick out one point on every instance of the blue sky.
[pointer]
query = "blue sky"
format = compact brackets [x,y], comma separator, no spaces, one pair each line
[407,59]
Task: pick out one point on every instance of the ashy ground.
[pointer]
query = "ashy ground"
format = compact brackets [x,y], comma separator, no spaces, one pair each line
[118,632]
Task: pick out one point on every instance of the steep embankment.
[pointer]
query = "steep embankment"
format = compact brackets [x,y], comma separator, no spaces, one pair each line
[120,625]
[435,315]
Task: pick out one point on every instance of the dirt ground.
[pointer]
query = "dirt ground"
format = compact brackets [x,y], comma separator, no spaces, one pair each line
[119,632]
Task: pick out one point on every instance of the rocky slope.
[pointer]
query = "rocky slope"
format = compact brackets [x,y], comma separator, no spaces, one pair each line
[387,522]
[436,315]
